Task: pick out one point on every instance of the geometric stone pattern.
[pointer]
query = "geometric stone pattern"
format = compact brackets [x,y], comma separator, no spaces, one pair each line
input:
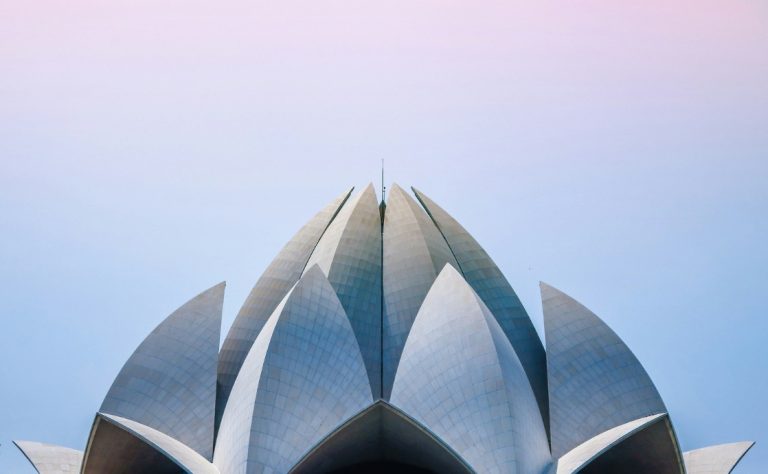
[120,445]
[234,432]
[595,382]
[279,277]
[414,253]
[51,459]
[304,377]
[486,279]
[460,378]
[169,383]
[719,459]
[349,253]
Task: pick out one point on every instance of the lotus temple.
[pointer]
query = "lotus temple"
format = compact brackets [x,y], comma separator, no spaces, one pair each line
[382,338]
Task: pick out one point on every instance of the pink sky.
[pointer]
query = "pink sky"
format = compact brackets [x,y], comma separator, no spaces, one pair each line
[616,149]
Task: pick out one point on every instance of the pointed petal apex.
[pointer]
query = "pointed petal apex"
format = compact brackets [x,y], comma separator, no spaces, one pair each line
[292,389]
[349,253]
[577,391]
[276,281]
[450,271]
[49,458]
[482,273]
[174,370]
[719,459]
[414,253]
[313,271]
[460,377]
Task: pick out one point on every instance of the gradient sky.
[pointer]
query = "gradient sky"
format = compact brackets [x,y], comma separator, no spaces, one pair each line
[617,150]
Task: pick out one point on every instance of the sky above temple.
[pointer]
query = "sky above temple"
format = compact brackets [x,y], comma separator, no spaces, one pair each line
[614,149]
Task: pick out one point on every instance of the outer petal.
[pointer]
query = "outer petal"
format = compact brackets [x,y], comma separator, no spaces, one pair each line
[486,279]
[414,253]
[51,459]
[646,445]
[595,382]
[720,459]
[121,446]
[460,377]
[169,383]
[350,255]
[284,271]
[303,377]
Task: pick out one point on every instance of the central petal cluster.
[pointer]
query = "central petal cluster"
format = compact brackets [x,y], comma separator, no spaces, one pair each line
[383,338]
[370,267]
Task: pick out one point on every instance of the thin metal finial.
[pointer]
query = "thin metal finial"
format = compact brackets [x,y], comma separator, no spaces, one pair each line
[383,188]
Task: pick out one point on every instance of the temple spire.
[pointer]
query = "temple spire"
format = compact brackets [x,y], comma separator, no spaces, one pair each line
[383,188]
[382,205]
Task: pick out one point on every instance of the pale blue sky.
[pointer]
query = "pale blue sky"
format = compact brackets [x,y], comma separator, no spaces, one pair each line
[149,150]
